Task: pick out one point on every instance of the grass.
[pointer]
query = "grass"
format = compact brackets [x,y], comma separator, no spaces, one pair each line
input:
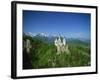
[44,55]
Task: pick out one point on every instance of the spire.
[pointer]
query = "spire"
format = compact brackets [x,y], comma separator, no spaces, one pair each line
[64,41]
[59,38]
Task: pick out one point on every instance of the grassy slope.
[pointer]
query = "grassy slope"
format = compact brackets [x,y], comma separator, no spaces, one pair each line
[43,55]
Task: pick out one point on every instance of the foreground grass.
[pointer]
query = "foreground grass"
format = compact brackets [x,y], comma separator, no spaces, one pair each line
[44,55]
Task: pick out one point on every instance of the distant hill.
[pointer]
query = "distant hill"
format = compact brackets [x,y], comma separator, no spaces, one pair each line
[78,41]
[50,39]
[43,52]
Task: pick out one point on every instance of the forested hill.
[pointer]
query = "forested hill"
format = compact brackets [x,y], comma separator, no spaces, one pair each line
[43,53]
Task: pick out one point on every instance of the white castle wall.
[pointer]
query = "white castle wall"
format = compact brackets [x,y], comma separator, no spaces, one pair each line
[61,45]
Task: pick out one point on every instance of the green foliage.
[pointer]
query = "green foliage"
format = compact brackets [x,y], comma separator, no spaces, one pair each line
[44,55]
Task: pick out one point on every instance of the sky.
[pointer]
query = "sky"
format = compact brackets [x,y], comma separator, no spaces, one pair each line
[70,25]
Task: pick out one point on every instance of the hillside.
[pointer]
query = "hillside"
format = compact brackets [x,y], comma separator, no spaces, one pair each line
[43,53]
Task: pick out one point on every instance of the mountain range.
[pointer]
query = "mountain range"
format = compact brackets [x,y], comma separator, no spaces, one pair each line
[50,38]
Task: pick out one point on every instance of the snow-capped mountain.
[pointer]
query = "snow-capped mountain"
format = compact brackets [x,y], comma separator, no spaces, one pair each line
[51,37]
[30,34]
[40,34]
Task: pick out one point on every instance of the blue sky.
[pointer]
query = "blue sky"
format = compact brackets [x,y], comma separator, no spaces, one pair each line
[70,25]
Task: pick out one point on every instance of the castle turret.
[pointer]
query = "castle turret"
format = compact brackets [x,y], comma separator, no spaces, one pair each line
[61,45]
[28,45]
[64,41]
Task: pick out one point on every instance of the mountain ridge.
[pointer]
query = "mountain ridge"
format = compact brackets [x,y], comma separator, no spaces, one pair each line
[50,38]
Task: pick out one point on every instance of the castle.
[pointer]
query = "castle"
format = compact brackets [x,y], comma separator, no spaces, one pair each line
[59,42]
[61,45]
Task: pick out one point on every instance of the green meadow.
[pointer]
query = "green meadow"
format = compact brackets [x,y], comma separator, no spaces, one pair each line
[44,54]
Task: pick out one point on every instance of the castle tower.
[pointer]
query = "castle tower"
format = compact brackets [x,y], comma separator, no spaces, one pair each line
[59,39]
[61,45]
[64,41]
[28,45]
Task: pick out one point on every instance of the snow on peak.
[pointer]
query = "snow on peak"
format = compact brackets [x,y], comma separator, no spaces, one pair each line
[30,34]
